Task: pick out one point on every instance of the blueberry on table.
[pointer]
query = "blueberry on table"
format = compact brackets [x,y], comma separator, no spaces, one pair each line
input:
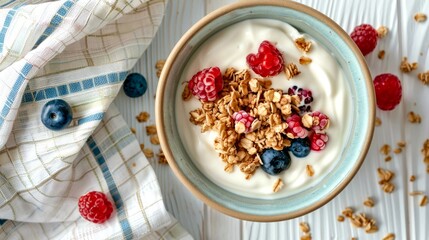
[300,147]
[56,114]
[135,85]
[275,161]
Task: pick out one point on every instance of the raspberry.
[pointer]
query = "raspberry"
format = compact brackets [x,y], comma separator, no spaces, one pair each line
[295,129]
[95,207]
[365,37]
[388,91]
[242,117]
[267,62]
[318,141]
[206,84]
[320,121]
[305,95]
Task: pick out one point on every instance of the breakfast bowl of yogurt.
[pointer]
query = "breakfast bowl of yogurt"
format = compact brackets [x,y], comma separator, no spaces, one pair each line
[265,110]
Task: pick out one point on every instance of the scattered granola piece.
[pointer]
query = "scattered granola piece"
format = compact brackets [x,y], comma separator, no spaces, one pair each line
[415,193]
[377,121]
[385,149]
[133,130]
[424,77]
[414,117]
[306,236]
[302,44]
[389,236]
[340,218]
[397,150]
[291,70]
[161,157]
[369,202]
[382,31]
[354,238]
[412,178]
[348,212]
[406,66]
[151,130]
[303,60]
[154,139]
[362,221]
[401,144]
[148,152]
[381,54]
[424,201]
[143,117]
[420,17]
[425,151]
[159,66]
[385,178]
[305,228]
[278,184]
[388,158]
[310,171]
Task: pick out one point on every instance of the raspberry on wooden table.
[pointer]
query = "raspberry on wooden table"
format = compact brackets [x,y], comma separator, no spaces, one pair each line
[267,62]
[206,84]
[95,207]
[388,91]
[365,37]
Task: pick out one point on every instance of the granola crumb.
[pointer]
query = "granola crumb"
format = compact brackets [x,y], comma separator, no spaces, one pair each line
[305,228]
[397,150]
[151,130]
[389,236]
[424,201]
[414,117]
[381,54]
[159,66]
[302,44]
[148,152]
[406,66]
[278,184]
[416,193]
[142,146]
[412,178]
[133,164]
[348,212]
[385,177]
[303,60]
[369,202]
[161,157]
[154,139]
[306,236]
[340,218]
[186,94]
[362,221]
[133,130]
[291,70]
[142,117]
[385,149]
[401,144]
[382,31]
[420,17]
[309,170]
[388,158]
[354,238]
[424,77]
[377,121]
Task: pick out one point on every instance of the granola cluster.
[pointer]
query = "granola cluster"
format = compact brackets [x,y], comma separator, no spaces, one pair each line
[269,107]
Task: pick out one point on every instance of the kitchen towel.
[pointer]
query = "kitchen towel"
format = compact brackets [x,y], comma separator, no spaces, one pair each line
[79,51]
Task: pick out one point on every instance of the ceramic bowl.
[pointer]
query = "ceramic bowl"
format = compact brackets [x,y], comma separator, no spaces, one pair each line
[323,30]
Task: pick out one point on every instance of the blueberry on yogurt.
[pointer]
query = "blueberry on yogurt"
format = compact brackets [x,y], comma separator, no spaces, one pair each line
[135,85]
[275,161]
[300,147]
[56,114]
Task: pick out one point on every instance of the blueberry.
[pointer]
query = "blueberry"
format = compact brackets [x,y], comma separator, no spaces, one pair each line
[275,161]
[300,147]
[135,85]
[56,114]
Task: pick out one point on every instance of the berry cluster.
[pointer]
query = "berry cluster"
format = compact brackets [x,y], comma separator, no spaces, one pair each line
[305,95]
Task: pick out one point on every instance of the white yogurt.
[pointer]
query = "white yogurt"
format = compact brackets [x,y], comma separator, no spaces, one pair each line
[324,77]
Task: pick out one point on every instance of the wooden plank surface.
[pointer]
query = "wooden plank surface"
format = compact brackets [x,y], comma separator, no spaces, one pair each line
[397,212]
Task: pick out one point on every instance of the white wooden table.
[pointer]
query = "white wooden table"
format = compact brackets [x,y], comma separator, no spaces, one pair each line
[397,212]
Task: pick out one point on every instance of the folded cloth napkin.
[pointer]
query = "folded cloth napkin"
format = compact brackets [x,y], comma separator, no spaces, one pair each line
[79,51]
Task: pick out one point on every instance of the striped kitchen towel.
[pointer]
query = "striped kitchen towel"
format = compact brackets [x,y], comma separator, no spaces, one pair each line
[79,51]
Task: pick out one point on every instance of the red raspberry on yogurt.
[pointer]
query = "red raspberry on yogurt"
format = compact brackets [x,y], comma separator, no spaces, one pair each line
[267,62]
[206,84]
[295,128]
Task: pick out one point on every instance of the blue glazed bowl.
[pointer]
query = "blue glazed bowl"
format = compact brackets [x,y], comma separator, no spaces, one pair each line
[327,33]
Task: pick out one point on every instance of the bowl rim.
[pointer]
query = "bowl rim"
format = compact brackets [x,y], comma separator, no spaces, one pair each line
[163,81]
